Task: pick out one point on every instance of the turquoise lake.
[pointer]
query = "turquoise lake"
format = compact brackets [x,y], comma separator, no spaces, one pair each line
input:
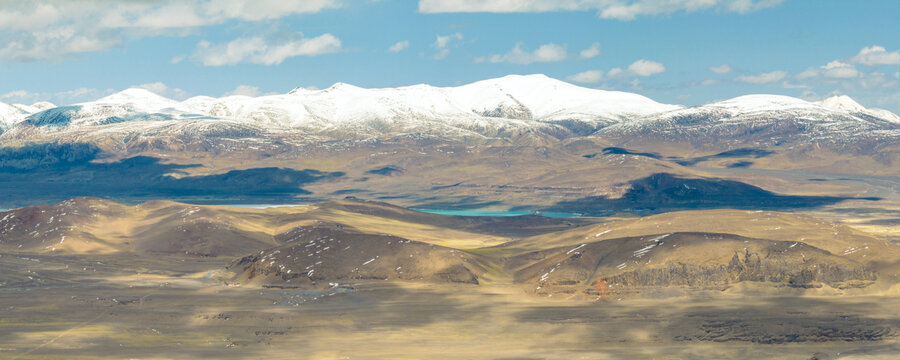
[552,214]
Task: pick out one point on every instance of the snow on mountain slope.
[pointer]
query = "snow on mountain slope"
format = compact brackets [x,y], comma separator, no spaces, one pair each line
[841,102]
[531,97]
[762,120]
[761,102]
[36,107]
[551,99]
[139,99]
[125,106]
[517,108]
[845,103]
[10,114]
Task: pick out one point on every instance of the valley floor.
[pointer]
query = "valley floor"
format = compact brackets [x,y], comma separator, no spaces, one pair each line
[165,307]
[93,279]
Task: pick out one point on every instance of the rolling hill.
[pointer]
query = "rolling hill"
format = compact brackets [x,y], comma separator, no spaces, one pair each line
[355,241]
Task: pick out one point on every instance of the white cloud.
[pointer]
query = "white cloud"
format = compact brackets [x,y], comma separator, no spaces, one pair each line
[587,77]
[245,90]
[788,85]
[28,17]
[808,73]
[878,81]
[54,29]
[845,76]
[15,94]
[709,82]
[164,90]
[607,9]
[59,98]
[842,76]
[441,43]
[839,70]
[591,52]
[158,87]
[646,67]
[501,6]
[721,69]
[52,44]
[258,50]
[441,54]
[638,68]
[877,55]
[399,46]
[833,70]
[763,78]
[255,10]
[545,53]
[746,6]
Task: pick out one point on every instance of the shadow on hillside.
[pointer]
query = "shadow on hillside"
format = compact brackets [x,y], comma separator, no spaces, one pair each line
[779,320]
[730,154]
[54,172]
[664,192]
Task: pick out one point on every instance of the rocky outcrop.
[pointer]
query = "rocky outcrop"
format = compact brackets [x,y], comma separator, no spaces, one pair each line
[689,261]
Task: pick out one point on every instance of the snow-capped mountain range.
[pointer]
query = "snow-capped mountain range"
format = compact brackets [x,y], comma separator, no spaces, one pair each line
[765,120]
[511,107]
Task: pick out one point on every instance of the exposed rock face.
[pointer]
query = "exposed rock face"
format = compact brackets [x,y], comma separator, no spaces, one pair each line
[337,243]
[509,111]
[695,261]
[323,254]
[751,268]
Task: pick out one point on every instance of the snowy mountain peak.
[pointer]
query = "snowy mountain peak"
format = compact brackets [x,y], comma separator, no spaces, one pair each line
[36,107]
[551,99]
[300,91]
[517,78]
[342,86]
[505,107]
[761,102]
[533,81]
[139,98]
[9,115]
[847,104]
[842,102]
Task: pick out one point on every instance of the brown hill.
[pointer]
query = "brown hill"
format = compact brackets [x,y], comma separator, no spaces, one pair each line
[326,254]
[695,261]
[353,240]
[97,226]
[93,226]
[834,238]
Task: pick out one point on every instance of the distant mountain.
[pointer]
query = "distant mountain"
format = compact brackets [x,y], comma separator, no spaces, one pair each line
[514,97]
[515,109]
[763,121]
[507,107]
[11,114]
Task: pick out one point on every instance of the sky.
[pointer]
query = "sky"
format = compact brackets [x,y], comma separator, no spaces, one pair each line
[688,52]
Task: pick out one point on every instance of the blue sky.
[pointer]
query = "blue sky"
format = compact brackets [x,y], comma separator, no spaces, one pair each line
[675,51]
